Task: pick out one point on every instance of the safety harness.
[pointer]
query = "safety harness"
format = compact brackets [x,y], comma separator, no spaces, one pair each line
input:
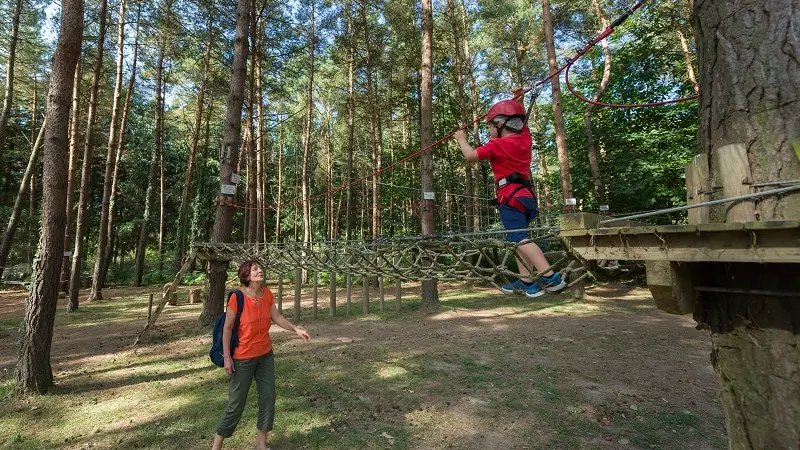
[510,199]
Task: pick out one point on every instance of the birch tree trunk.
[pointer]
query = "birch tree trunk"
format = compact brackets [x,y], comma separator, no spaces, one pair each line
[86,169]
[33,372]
[223,223]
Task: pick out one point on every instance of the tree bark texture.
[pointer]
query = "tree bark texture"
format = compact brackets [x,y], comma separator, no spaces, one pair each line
[430,293]
[8,98]
[750,94]
[558,109]
[99,273]
[33,372]
[223,222]
[86,169]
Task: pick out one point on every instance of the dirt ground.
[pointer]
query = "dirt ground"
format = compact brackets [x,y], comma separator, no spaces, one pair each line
[484,372]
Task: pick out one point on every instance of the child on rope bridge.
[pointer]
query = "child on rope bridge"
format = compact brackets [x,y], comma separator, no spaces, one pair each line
[509,154]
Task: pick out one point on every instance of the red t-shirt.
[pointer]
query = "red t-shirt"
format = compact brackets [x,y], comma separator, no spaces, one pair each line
[254,323]
[507,155]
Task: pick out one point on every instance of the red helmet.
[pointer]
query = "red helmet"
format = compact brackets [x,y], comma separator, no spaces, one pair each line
[509,108]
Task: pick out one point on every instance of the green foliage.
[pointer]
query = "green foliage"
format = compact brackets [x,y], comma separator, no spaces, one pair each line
[642,150]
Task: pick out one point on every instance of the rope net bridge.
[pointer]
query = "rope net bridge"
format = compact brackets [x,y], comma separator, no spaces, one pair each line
[483,257]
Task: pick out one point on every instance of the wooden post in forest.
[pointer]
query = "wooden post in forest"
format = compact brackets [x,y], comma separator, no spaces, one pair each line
[316,292]
[170,289]
[698,189]
[365,291]
[348,292]
[150,307]
[195,296]
[398,289]
[333,293]
[298,281]
[733,169]
[381,291]
[280,291]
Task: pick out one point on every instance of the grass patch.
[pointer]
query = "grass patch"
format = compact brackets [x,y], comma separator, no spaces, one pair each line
[366,389]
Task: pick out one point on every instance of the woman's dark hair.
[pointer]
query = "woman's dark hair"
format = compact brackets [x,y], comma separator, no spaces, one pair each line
[244,271]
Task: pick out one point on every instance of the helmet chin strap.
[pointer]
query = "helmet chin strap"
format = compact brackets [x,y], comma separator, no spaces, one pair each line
[503,125]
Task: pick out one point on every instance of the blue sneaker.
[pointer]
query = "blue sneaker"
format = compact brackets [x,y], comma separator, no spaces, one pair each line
[533,290]
[510,288]
[553,283]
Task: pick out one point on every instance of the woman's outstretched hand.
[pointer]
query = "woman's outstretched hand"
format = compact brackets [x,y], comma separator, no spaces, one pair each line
[303,334]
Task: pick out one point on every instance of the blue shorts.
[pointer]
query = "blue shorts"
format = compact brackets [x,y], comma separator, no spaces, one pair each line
[514,219]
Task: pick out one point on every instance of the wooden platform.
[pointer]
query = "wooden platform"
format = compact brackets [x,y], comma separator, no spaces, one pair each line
[761,242]
[676,255]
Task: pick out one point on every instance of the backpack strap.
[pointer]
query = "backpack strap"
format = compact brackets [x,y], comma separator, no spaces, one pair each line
[239,307]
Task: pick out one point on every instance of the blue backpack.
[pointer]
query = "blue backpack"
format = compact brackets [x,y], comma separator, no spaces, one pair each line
[216,353]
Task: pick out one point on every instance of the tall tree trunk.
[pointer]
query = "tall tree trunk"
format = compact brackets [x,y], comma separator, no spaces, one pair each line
[144,232]
[251,228]
[32,194]
[307,137]
[180,236]
[469,211]
[594,160]
[198,228]
[329,196]
[74,139]
[474,94]
[112,206]
[33,372]
[279,195]
[161,180]
[430,293]
[86,170]
[99,274]
[26,183]
[749,87]
[558,110]
[261,212]
[538,142]
[372,100]
[9,92]
[350,120]
[223,222]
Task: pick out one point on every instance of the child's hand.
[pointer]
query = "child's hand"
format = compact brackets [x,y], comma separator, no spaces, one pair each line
[460,136]
[519,95]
